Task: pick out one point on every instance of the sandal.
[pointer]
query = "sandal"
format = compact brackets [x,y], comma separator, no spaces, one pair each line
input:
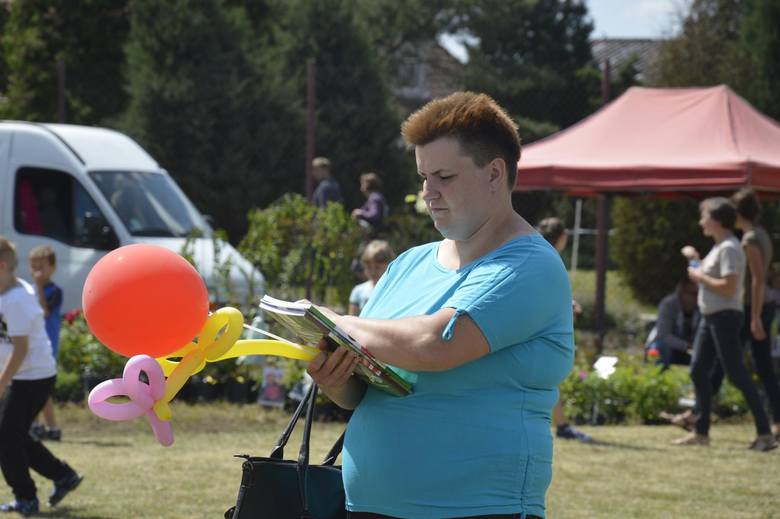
[684,420]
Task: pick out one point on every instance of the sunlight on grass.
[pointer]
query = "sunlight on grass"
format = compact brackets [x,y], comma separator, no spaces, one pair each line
[631,472]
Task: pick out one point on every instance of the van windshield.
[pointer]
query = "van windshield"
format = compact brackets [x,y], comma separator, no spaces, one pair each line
[149,204]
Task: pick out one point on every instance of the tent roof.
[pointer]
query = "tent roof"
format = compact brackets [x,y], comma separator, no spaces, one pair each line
[660,139]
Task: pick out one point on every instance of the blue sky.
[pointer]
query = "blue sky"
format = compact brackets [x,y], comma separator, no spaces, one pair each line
[617,19]
[634,18]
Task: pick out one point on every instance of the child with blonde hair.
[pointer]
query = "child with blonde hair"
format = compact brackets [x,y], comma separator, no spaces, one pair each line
[375,258]
[43,264]
[27,374]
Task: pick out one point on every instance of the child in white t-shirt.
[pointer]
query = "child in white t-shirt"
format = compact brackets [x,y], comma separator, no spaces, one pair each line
[375,258]
[27,375]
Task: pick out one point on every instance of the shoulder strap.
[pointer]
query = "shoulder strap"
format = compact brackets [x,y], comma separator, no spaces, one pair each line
[278,451]
[303,454]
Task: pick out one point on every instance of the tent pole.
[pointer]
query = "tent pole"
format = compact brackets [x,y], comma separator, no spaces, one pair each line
[601,270]
[601,234]
[575,248]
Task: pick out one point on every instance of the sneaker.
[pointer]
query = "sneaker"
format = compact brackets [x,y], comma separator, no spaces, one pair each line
[764,443]
[22,506]
[568,432]
[692,439]
[62,487]
[54,434]
[38,431]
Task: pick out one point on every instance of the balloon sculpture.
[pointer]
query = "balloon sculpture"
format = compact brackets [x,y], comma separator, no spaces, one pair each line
[138,288]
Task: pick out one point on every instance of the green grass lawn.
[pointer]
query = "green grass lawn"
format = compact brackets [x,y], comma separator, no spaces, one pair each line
[631,472]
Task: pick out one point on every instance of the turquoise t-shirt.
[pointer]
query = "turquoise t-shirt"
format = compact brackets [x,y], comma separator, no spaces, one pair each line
[473,440]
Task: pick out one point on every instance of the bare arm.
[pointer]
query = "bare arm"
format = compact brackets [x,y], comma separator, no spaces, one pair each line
[413,343]
[416,343]
[20,347]
[757,283]
[725,286]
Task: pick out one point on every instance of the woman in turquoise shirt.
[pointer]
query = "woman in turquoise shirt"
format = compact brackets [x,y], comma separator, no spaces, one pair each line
[482,319]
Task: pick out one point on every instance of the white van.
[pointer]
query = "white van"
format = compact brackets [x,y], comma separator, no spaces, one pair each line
[85,191]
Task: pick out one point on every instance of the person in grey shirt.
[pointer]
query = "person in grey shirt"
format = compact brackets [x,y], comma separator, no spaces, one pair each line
[759,307]
[720,277]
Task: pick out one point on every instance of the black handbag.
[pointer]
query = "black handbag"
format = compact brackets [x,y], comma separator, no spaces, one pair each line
[275,488]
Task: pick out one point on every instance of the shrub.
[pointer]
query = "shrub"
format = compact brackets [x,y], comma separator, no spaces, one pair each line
[657,391]
[295,245]
[730,401]
[409,229]
[82,353]
[647,241]
[634,393]
[69,387]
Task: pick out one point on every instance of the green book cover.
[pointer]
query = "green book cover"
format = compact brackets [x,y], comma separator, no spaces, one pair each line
[309,325]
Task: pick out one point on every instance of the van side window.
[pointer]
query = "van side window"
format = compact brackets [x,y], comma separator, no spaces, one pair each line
[52,203]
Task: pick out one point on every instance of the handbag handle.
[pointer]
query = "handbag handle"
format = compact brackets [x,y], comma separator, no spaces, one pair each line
[303,454]
[308,402]
[278,451]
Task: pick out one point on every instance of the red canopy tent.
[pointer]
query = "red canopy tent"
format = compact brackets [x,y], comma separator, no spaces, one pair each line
[660,140]
[666,141]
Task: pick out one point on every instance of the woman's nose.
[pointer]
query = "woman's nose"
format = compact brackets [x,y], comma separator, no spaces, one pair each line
[427,192]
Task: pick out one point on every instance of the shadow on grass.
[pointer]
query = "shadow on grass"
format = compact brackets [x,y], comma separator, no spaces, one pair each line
[101,443]
[626,446]
[65,513]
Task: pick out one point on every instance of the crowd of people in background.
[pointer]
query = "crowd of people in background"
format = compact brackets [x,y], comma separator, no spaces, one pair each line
[735,307]
[726,300]
[722,303]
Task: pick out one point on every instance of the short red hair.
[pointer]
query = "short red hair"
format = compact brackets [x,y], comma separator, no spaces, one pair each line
[482,128]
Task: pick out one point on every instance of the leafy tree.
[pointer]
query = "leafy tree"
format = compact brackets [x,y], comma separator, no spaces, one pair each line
[4,15]
[357,125]
[736,42]
[647,242]
[212,106]
[390,25]
[533,57]
[761,41]
[87,37]
[706,52]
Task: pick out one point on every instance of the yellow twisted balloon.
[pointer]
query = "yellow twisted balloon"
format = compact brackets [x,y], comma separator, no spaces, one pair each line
[210,348]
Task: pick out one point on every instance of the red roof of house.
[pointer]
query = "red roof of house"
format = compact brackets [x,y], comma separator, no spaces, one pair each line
[660,139]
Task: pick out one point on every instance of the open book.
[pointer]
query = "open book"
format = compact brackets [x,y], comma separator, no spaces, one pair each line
[309,325]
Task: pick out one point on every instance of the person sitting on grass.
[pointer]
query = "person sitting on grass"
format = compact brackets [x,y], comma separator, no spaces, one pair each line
[675,327]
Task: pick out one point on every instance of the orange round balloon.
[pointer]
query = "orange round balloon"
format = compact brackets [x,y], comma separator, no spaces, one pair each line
[144,299]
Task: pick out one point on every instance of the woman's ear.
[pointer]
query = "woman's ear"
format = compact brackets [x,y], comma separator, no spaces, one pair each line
[497,173]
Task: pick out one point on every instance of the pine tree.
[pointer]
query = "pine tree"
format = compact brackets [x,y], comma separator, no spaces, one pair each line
[357,126]
[87,37]
[217,116]
[533,57]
